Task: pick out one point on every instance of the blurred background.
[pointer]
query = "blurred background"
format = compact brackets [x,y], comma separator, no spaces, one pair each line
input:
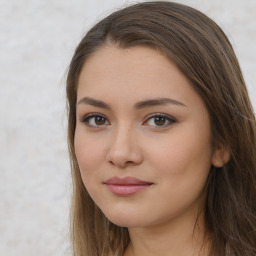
[37,40]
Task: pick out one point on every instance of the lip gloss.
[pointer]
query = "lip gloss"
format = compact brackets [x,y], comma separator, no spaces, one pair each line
[126,186]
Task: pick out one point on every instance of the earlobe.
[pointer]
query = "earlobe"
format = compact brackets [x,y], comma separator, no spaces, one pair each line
[221,156]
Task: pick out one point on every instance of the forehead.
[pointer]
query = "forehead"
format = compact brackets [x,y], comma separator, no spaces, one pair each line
[110,58]
[133,73]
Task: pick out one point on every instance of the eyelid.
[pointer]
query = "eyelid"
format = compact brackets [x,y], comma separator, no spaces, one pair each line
[169,118]
[91,115]
[87,117]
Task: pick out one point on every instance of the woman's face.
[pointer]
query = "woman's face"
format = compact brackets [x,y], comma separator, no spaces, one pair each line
[142,139]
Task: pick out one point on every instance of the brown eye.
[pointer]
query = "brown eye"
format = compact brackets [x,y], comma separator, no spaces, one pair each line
[159,120]
[99,120]
[95,120]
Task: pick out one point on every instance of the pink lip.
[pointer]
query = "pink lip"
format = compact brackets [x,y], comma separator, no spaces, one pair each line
[126,186]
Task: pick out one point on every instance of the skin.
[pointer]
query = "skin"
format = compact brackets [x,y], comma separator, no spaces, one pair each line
[174,154]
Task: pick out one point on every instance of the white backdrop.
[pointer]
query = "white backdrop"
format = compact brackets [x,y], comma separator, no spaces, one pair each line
[37,40]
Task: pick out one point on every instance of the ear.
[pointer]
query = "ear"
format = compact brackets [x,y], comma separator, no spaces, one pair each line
[221,156]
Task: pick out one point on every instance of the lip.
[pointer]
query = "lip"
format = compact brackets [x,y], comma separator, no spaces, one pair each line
[126,186]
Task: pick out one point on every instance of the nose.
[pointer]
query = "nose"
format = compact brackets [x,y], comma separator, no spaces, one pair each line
[124,149]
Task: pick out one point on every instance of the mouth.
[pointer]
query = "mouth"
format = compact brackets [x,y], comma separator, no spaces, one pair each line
[126,186]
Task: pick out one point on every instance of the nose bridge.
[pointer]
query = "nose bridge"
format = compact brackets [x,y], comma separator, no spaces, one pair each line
[122,131]
[124,148]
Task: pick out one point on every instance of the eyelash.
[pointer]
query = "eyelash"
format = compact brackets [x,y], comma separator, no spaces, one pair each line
[86,119]
[166,118]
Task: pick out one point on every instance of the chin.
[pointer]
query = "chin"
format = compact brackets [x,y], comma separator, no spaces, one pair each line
[123,221]
[126,220]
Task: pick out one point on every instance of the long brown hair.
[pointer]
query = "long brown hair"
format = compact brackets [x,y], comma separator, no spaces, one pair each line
[201,50]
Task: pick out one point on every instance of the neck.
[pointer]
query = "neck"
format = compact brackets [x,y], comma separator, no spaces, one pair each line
[183,238]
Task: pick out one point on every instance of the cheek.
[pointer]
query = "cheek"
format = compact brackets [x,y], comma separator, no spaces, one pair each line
[88,154]
[89,159]
[182,166]
[187,152]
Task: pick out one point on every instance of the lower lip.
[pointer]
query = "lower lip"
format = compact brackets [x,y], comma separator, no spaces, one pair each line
[127,190]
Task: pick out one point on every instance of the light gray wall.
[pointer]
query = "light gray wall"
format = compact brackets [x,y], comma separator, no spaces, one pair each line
[37,39]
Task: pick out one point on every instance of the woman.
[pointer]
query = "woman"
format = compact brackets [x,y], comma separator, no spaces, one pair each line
[162,138]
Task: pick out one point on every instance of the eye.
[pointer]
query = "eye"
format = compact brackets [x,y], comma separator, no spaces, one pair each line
[95,120]
[159,120]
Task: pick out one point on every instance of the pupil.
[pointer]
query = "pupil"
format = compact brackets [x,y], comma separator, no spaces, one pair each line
[99,120]
[159,121]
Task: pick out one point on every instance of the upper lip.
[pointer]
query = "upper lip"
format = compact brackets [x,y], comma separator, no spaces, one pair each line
[126,181]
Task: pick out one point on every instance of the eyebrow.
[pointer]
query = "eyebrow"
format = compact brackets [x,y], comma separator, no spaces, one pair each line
[157,102]
[93,102]
[138,105]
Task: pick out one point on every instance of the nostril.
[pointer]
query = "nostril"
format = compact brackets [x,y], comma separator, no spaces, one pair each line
[129,163]
[121,162]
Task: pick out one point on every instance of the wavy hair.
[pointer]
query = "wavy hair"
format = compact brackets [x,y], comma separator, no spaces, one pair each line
[203,53]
